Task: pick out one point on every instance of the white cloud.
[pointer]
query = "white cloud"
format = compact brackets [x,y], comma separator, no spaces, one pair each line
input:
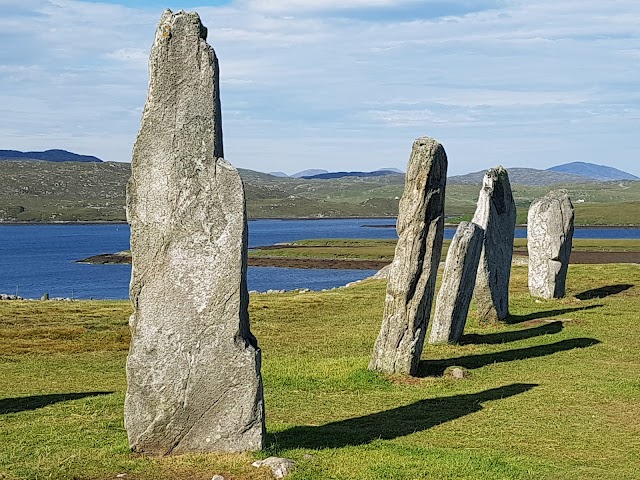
[319,83]
[288,6]
[135,55]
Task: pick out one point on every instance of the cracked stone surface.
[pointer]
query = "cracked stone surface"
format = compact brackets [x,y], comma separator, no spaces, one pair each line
[193,370]
[549,239]
[458,282]
[496,214]
[412,274]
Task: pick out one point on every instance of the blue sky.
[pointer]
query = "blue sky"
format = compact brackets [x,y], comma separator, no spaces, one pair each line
[341,84]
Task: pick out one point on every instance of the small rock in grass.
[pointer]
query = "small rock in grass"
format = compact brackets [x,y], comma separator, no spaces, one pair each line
[121,475]
[217,477]
[280,467]
[457,373]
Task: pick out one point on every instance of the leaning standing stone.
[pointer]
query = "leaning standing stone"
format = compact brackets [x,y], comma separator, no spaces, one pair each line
[193,369]
[496,214]
[412,274]
[549,238]
[458,282]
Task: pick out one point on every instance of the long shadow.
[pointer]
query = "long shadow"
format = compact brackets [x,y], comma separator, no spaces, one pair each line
[605,291]
[393,423]
[428,368]
[21,404]
[505,337]
[547,313]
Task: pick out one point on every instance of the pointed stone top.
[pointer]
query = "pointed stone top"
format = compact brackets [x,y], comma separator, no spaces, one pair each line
[497,172]
[494,177]
[426,141]
[187,23]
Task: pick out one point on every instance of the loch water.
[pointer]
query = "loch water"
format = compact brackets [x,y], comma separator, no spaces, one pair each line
[38,259]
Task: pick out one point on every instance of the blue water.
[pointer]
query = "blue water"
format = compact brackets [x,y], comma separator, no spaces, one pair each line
[35,259]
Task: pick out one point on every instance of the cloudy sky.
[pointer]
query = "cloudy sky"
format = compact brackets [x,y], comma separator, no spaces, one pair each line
[341,84]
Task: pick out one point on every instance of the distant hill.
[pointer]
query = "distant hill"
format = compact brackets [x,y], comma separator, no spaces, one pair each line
[40,191]
[331,175]
[591,170]
[325,174]
[524,176]
[47,156]
[309,172]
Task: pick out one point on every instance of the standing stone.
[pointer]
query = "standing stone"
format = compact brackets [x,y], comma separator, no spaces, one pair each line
[193,369]
[458,282]
[549,238]
[496,214]
[412,274]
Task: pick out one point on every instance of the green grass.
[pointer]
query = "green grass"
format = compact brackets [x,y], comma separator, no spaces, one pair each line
[343,249]
[553,394]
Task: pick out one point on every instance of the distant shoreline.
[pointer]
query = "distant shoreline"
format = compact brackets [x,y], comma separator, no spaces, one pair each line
[449,225]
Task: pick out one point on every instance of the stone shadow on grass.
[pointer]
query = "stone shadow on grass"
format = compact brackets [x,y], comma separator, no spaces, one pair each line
[505,337]
[547,313]
[605,291]
[435,368]
[393,423]
[22,404]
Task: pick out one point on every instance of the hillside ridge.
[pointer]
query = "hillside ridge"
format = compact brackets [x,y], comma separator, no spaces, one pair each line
[592,170]
[78,191]
[55,155]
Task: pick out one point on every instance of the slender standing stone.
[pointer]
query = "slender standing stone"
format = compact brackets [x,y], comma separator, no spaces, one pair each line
[412,274]
[458,282]
[549,238]
[496,214]
[193,369]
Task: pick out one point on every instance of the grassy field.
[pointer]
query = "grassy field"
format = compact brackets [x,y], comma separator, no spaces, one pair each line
[341,249]
[552,394]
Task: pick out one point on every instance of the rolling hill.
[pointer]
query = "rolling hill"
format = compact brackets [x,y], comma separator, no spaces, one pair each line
[591,170]
[47,156]
[524,176]
[78,191]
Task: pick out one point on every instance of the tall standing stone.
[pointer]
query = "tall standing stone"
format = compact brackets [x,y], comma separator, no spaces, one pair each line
[549,238]
[412,274]
[496,214]
[458,282]
[193,369]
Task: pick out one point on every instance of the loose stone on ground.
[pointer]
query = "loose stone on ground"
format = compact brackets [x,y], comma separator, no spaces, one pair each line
[280,467]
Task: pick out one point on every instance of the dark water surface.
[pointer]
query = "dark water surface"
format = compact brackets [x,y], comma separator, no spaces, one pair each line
[35,259]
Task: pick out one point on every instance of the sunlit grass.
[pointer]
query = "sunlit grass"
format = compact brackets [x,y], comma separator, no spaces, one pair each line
[551,395]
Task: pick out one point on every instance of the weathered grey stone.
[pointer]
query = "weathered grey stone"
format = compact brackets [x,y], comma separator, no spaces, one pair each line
[280,467]
[412,273]
[496,214]
[193,369]
[549,238]
[457,373]
[458,282]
